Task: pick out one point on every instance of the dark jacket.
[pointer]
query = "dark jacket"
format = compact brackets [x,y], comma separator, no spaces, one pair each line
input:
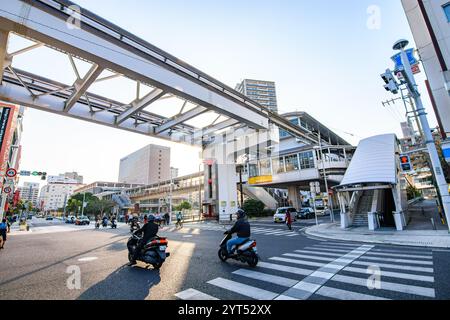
[242,228]
[150,230]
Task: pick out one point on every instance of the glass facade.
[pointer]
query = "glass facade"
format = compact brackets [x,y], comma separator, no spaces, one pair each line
[447,11]
[292,163]
[307,160]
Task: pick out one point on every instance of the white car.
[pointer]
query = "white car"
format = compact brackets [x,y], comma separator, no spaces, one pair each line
[280,214]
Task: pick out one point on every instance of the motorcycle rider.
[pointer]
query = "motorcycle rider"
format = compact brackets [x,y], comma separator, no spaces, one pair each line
[242,229]
[149,230]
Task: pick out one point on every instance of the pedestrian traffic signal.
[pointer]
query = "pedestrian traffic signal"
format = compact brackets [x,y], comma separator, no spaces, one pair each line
[405,163]
[391,85]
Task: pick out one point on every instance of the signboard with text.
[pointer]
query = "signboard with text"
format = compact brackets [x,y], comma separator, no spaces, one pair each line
[8,123]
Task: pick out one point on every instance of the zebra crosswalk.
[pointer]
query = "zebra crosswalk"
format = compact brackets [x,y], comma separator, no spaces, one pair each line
[329,270]
[195,228]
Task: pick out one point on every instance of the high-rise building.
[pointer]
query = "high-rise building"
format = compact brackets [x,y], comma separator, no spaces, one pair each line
[429,21]
[407,131]
[54,196]
[29,192]
[68,177]
[260,91]
[148,165]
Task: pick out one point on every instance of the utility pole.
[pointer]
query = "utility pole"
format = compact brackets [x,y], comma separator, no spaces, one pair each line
[82,205]
[429,141]
[329,203]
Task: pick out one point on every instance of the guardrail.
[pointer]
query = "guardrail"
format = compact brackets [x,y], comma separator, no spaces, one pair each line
[414,201]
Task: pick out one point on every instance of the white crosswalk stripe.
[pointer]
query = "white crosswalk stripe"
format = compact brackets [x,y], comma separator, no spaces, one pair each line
[340,294]
[254,230]
[322,273]
[243,289]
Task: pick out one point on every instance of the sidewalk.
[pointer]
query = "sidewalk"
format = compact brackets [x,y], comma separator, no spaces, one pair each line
[423,238]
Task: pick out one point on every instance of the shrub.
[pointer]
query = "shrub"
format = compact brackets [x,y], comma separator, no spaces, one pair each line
[253,208]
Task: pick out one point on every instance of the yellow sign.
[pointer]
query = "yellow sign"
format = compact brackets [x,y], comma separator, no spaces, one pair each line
[260,179]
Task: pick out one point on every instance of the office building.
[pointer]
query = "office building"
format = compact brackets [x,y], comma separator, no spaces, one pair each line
[29,192]
[262,92]
[148,165]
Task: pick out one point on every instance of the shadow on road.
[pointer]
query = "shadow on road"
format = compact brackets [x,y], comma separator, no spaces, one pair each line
[126,283]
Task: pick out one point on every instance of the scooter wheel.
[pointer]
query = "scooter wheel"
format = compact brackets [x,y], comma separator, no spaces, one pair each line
[130,257]
[222,254]
[253,261]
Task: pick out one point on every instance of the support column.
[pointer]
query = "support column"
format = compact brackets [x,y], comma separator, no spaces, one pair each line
[294,197]
[227,192]
[345,221]
[398,213]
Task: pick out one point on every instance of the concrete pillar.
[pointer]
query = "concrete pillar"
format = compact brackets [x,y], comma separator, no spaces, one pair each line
[398,220]
[372,219]
[345,219]
[227,191]
[294,197]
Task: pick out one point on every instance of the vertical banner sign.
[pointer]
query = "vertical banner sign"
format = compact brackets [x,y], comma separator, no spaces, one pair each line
[8,122]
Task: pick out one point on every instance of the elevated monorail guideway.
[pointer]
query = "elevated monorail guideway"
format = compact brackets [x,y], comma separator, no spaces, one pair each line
[111,52]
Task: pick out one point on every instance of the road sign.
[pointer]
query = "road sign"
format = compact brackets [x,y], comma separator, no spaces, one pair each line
[398,58]
[7,189]
[25,173]
[314,187]
[11,173]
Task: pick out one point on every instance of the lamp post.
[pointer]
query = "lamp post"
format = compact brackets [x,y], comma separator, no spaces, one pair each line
[410,82]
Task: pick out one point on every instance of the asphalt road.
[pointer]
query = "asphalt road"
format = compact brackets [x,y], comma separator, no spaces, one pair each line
[38,265]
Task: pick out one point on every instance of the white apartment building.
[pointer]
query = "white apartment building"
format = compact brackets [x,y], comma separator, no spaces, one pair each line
[29,192]
[53,196]
[430,24]
[148,165]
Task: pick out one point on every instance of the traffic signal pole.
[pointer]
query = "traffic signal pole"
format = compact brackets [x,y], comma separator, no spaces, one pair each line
[429,141]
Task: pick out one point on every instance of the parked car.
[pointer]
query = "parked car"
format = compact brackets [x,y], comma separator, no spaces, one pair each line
[306,213]
[70,219]
[83,220]
[49,217]
[280,214]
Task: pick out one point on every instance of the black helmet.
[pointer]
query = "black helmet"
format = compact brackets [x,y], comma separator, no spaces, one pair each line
[240,214]
[150,218]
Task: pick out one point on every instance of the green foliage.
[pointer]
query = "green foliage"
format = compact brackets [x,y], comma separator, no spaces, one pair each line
[253,208]
[183,206]
[412,192]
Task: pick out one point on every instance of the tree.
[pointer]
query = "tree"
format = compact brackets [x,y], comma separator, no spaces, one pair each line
[100,206]
[73,205]
[183,206]
[412,192]
[253,207]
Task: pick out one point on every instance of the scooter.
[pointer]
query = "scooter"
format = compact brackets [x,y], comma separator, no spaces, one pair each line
[113,224]
[245,252]
[104,223]
[97,224]
[134,226]
[154,251]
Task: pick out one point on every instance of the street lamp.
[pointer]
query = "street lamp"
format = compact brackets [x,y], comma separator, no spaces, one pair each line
[410,82]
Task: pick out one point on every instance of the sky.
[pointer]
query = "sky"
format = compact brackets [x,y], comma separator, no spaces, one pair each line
[325,56]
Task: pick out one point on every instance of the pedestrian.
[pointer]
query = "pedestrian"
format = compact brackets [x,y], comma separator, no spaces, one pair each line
[3,230]
[167,218]
[145,219]
[289,219]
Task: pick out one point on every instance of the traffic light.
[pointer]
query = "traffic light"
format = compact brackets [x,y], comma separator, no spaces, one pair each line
[44,176]
[405,163]
[391,85]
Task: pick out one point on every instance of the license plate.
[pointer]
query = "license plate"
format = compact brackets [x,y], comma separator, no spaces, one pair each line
[162,248]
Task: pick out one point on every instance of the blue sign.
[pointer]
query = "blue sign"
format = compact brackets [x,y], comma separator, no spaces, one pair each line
[398,59]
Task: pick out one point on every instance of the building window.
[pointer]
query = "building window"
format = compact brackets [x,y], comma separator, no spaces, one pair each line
[292,163]
[306,160]
[447,10]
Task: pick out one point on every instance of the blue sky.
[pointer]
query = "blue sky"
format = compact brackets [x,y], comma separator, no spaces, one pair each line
[321,54]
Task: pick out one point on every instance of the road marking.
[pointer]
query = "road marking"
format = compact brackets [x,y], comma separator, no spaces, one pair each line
[345,295]
[283,268]
[243,289]
[430,263]
[332,247]
[398,255]
[192,294]
[308,257]
[312,283]
[292,235]
[86,259]
[320,253]
[326,249]
[281,281]
[393,266]
[303,262]
[340,244]
[402,251]
[391,286]
[188,236]
[392,274]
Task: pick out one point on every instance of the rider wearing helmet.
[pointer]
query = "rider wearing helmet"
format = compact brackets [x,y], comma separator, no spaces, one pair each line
[242,229]
[149,230]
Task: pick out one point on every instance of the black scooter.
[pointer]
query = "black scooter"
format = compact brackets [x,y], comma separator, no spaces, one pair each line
[154,251]
[113,224]
[245,252]
[104,223]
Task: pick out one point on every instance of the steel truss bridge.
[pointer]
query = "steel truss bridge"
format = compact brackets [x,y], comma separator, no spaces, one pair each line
[111,52]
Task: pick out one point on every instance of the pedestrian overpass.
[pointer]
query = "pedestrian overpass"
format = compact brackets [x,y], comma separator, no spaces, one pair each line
[99,54]
[373,190]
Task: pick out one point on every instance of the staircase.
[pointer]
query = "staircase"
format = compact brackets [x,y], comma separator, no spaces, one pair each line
[259,193]
[362,208]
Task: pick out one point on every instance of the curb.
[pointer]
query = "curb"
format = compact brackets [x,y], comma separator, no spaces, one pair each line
[307,231]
